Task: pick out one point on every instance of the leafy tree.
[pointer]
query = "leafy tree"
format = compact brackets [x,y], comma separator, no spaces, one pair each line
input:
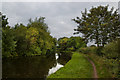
[31,36]
[8,43]
[70,44]
[79,42]
[39,36]
[4,21]
[38,23]
[20,38]
[99,24]
[62,42]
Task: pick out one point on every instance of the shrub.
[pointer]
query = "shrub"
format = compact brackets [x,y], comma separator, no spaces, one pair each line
[111,50]
[99,51]
[84,50]
[88,50]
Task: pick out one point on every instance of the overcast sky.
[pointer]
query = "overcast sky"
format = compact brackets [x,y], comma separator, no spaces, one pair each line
[58,14]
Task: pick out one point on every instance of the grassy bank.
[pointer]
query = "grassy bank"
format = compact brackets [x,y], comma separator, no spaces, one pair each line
[107,67]
[77,67]
[103,66]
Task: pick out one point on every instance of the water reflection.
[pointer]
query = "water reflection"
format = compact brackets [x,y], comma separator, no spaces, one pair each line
[61,59]
[54,69]
[32,67]
[28,67]
[64,58]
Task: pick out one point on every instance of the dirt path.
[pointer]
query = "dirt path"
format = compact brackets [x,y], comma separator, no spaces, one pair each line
[94,68]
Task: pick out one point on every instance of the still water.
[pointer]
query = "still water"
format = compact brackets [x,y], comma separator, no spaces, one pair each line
[31,67]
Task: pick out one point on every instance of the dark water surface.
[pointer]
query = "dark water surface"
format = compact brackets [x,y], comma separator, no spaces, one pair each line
[31,67]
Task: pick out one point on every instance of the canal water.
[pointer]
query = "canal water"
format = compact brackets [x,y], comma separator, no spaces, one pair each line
[31,67]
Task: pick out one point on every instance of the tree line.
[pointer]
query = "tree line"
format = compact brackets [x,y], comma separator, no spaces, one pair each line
[29,40]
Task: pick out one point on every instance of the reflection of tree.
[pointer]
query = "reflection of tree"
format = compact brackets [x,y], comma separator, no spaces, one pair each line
[28,67]
[64,58]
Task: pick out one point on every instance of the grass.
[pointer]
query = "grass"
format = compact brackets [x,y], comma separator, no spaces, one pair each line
[106,68]
[101,66]
[77,67]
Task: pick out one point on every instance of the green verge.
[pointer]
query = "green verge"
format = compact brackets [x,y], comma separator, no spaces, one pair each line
[101,66]
[77,67]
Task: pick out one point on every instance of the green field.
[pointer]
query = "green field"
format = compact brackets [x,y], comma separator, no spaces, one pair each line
[77,67]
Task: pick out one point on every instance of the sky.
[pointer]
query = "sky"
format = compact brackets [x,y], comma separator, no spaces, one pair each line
[58,15]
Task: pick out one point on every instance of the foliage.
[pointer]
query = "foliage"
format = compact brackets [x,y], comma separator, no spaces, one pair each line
[40,37]
[106,68]
[70,44]
[4,20]
[21,40]
[8,43]
[19,36]
[99,24]
[102,26]
[62,43]
[84,50]
[88,50]
[109,61]
[111,50]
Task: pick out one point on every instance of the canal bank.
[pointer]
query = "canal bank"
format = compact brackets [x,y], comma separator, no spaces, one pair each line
[77,67]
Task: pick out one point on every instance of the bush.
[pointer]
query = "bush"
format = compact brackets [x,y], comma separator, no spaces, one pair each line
[99,51]
[111,50]
[84,50]
[88,50]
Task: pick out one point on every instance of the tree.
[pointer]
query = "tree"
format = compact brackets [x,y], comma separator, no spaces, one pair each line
[39,38]
[8,43]
[21,40]
[70,44]
[4,21]
[62,43]
[99,24]
[77,42]
[20,37]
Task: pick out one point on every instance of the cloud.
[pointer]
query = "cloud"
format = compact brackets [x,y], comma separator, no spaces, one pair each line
[62,22]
